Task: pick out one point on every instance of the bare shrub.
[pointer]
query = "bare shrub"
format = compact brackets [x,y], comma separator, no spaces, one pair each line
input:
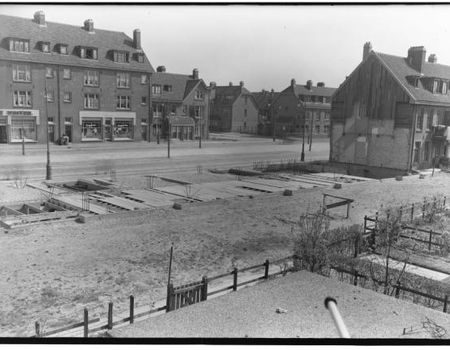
[19,178]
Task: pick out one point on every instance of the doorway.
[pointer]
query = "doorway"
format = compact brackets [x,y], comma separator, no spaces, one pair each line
[68,131]
[3,134]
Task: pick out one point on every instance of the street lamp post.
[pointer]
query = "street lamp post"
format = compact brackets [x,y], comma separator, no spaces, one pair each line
[48,175]
[303,139]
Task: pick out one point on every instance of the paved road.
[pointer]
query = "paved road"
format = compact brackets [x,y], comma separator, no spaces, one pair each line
[77,160]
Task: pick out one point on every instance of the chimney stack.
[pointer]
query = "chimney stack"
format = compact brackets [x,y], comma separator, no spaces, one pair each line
[195,74]
[137,39]
[432,58]
[293,82]
[161,69]
[321,84]
[367,49]
[39,17]
[89,25]
[416,57]
[212,85]
[241,84]
[230,83]
[309,85]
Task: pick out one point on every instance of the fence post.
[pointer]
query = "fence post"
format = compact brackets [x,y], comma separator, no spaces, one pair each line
[445,303]
[412,212]
[444,200]
[86,323]
[355,279]
[204,288]
[397,291]
[401,212]
[131,309]
[423,208]
[235,278]
[365,223]
[431,236]
[169,297]
[266,270]
[38,329]
[110,315]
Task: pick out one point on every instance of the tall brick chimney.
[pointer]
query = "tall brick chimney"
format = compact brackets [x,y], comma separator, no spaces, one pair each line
[39,18]
[89,25]
[416,57]
[195,74]
[432,58]
[230,83]
[137,39]
[367,49]
[241,84]
[309,84]
[293,82]
[321,84]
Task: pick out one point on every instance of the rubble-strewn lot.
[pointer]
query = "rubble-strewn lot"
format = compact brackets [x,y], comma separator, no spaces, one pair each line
[50,272]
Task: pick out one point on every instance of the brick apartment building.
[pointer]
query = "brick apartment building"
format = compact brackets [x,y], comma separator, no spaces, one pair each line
[182,100]
[392,114]
[88,83]
[264,100]
[233,109]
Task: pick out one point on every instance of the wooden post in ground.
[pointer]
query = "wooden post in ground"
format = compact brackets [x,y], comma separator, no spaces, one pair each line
[235,279]
[37,327]
[431,236]
[110,315]
[412,212]
[204,288]
[445,303]
[86,323]
[131,309]
[355,279]
[397,291]
[266,269]
[169,297]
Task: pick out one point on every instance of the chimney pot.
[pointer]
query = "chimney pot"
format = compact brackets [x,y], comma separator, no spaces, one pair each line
[241,84]
[367,49]
[416,57]
[195,74]
[321,84]
[230,83]
[137,39]
[212,84]
[309,84]
[89,25]
[432,58]
[39,17]
[161,69]
[293,82]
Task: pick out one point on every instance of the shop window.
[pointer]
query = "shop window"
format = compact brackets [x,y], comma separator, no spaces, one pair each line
[22,98]
[67,74]
[19,45]
[23,128]
[67,97]
[123,129]
[91,101]
[91,130]
[123,102]
[123,80]
[91,78]
[21,72]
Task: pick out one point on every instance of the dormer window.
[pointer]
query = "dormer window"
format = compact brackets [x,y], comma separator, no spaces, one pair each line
[63,49]
[45,46]
[121,57]
[435,86]
[140,57]
[413,80]
[443,87]
[19,45]
[90,53]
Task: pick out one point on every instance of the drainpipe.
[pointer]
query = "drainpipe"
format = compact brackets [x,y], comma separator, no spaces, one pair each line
[413,134]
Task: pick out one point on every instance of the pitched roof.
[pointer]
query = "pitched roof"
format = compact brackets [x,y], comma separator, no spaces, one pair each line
[302,90]
[400,68]
[227,95]
[263,98]
[182,85]
[73,36]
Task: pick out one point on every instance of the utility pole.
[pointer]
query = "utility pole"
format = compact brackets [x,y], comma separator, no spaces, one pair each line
[302,112]
[311,131]
[48,175]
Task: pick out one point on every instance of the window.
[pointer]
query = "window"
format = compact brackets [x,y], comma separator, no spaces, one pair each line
[49,72]
[326,129]
[419,120]
[23,128]
[89,53]
[327,117]
[91,101]
[121,57]
[91,78]
[63,49]
[21,72]
[426,151]
[67,97]
[123,129]
[91,130]
[173,109]
[416,152]
[68,120]
[184,109]
[245,113]
[444,87]
[50,96]
[19,45]
[144,100]
[416,82]
[45,47]
[144,79]
[199,111]
[167,88]
[156,89]
[198,94]
[123,80]
[67,74]
[123,102]
[51,120]
[22,98]
[317,129]
[435,86]
[140,57]
[430,119]
[440,117]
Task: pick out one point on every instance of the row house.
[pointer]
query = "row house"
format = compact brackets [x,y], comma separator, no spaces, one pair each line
[300,109]
[233,109]
[179,102]
[87,83]
[392,114]
[264,100]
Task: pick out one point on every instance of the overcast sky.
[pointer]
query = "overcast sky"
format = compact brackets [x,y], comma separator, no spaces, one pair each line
[264,46]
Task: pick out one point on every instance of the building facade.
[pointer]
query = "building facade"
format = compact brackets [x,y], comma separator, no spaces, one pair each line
[392,113]
[179,102]
[233,109]
[86,83]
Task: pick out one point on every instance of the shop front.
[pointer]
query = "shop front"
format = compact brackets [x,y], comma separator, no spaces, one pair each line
[18,125]
[107,126]
[181,128]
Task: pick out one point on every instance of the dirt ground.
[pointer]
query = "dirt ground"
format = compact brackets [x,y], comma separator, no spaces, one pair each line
[50,272]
